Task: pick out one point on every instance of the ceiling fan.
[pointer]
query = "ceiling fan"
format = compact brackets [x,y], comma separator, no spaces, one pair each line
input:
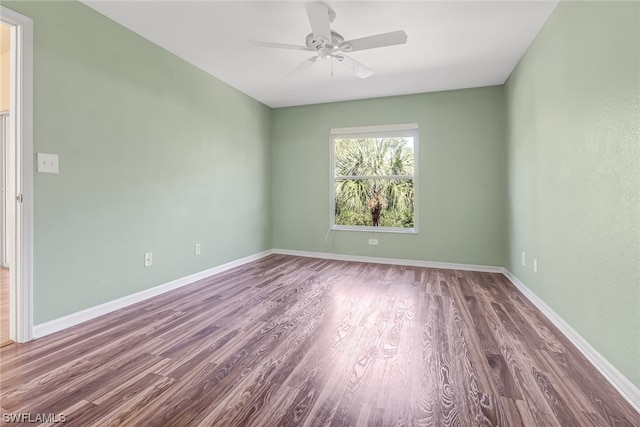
[327,44]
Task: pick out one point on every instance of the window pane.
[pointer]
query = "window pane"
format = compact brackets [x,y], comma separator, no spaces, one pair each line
[374,156]
[374,202]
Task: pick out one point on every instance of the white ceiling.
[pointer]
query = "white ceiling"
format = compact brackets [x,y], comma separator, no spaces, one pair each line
[451,44]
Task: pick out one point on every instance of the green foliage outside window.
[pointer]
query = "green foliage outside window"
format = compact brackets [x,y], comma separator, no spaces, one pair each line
[374,182]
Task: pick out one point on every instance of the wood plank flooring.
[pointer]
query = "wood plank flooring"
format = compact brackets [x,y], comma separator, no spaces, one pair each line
[4,307]
[288,341]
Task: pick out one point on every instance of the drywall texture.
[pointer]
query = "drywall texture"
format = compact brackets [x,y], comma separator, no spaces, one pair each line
[574,173]
[155,156]
[462,176]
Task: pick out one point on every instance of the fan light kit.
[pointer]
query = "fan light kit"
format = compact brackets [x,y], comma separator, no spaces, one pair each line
[327,44]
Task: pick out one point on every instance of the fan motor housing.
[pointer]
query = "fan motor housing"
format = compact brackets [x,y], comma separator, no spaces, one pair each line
[320,44]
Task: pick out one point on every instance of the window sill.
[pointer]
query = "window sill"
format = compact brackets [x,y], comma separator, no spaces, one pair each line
[375,229]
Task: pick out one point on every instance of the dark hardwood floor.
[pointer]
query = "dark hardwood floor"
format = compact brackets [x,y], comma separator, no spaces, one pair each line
[302,341]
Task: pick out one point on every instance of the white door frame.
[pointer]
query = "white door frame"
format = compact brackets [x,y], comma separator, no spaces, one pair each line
[21,128]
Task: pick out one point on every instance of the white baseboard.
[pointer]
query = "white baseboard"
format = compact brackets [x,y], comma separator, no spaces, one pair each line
[625,387]
[393,261]
[73,319]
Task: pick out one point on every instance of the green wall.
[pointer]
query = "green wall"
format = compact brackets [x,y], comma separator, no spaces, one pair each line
[155,155]
[462,176]
[574,173]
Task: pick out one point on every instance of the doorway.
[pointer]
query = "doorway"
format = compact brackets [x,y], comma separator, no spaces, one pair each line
[7,231]
[16,175]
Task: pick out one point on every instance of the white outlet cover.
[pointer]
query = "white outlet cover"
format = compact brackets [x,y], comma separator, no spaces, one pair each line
[48,163]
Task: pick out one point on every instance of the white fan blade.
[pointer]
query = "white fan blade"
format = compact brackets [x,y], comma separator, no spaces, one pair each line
[307,63]
[281,46]
[318,14]
[379,40]
[354,66]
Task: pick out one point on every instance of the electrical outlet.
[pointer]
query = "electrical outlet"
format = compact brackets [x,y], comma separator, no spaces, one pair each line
[197,248]
[523,259]
[373,242]
[535,265]
[148,259]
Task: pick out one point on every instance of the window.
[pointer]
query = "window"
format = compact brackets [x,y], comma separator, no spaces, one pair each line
[373,179]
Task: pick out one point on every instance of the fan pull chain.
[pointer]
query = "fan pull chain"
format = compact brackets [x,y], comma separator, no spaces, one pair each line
[332,67]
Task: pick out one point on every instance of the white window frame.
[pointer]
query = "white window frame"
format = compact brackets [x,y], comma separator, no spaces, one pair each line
[400,130]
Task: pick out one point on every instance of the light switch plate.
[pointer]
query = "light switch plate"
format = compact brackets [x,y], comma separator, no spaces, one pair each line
[48,163]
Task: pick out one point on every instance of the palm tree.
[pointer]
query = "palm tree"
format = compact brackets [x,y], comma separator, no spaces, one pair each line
[374,184]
